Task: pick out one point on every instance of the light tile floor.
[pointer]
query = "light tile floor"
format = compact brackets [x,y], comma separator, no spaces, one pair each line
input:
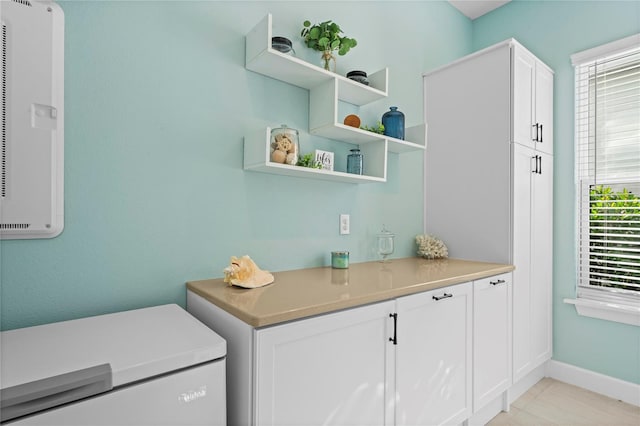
[551,402]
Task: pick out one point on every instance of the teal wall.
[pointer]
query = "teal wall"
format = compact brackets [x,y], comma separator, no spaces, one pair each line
[157,101]
[553,30]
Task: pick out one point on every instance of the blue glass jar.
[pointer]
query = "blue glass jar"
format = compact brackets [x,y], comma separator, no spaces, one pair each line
[354,162]
[393,122]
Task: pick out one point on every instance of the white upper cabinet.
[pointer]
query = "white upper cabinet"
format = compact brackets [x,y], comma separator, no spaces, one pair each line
[544,108]
[532,101]
[524,68]
[326,89]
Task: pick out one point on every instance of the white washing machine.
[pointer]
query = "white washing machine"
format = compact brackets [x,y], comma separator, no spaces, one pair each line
[152,366]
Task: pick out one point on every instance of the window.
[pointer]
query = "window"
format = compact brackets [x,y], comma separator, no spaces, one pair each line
[608,179]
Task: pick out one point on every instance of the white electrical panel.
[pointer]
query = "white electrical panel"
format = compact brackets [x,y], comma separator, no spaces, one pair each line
[32,146]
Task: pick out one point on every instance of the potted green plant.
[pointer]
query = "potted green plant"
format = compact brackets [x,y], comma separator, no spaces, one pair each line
[307,160]
[378,128]
[326,37]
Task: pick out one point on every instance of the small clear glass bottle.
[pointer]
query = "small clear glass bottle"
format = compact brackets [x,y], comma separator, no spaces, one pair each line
[285,147]
[354,162]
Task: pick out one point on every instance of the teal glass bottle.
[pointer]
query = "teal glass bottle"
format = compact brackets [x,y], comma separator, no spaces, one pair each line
[354,162]
[393,122]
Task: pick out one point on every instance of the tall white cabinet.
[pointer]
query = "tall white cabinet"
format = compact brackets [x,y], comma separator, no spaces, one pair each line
[489,178]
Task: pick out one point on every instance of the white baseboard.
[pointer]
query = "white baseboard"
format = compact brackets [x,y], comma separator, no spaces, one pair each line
[595,382]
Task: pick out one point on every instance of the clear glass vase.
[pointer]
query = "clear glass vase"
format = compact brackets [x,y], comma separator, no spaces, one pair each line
[328,61]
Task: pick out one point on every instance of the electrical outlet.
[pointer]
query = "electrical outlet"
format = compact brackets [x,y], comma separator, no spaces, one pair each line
[344,224]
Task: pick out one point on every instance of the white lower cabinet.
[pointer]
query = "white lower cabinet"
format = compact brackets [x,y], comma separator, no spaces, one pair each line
[433,358]
[334,369]
[413,360]
[362,367]
[491,339]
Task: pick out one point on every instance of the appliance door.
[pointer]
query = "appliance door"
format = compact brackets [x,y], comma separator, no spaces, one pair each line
[193,396]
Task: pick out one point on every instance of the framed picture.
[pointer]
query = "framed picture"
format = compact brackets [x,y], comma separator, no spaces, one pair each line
[325,158]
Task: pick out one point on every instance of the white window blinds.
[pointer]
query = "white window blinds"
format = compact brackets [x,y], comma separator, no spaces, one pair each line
[608,170]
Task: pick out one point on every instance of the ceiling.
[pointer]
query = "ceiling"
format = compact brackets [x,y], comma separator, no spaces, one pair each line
[475,8]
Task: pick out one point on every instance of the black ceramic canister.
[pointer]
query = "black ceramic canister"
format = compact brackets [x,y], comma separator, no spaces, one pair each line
[282,44]
[359,76]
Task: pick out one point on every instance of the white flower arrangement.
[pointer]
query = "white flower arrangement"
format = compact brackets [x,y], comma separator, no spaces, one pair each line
[431,247]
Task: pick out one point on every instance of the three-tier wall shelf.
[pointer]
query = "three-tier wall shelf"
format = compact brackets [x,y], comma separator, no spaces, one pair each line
[326,89]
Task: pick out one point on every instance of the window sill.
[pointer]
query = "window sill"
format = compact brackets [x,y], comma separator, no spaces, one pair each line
[617,312]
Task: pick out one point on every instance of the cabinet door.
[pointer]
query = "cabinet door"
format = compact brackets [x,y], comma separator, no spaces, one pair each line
[491,338]
[524,66]
[433,353]
[532,251]
[544,108]
[523,171]
[332,369]
[541,260]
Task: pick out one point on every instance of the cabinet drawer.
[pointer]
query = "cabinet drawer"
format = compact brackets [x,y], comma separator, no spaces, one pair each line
[502,280]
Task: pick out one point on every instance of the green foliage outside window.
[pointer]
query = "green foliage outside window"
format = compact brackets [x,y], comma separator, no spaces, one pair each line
[614,227]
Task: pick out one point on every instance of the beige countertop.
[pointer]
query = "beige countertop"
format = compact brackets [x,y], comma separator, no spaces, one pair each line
[306,292]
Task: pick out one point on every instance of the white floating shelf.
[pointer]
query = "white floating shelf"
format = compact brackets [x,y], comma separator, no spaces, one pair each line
[261,58]
[416,139]
[325,90]
[341,132]
[257,158]
[324,121]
